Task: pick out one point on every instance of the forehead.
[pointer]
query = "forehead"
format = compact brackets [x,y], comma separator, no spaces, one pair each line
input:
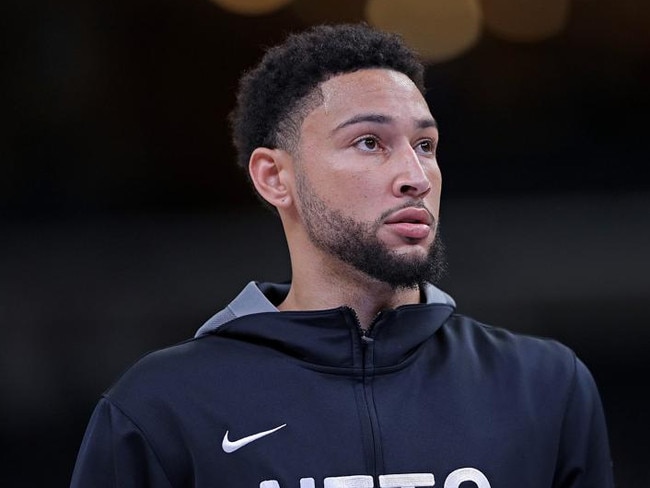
[372,91]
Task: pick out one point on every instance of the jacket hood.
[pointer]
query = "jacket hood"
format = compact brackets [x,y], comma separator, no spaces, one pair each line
[261,297]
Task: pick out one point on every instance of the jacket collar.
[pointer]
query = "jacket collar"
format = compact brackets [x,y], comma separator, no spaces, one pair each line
[330,337]
[258,297]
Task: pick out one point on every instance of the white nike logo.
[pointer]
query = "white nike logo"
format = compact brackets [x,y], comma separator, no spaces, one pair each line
[231,446]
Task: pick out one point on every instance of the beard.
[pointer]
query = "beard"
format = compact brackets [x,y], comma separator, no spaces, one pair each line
[356,243]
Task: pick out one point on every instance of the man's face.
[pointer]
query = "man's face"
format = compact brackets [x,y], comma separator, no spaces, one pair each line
[367,178]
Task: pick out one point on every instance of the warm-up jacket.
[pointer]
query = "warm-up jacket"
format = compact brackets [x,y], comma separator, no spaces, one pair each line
[268,399]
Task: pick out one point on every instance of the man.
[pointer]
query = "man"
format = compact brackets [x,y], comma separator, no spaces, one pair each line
[359,373]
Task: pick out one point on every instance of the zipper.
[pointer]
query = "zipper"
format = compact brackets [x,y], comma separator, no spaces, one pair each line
[375,461]
[364,333]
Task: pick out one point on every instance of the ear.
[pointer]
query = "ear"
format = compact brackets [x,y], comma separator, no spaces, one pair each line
[270,171]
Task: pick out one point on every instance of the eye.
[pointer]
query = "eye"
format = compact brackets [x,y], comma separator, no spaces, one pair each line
[367,143]
[426,146]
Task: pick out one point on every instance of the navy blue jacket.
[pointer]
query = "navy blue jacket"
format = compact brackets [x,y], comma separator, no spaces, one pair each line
[270,399]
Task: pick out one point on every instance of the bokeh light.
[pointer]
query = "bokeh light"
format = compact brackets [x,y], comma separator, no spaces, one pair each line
[252,7]
[317,11]
[525,20]
[438,29]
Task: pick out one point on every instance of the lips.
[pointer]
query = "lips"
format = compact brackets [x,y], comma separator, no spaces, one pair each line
[410,215]
[411,222]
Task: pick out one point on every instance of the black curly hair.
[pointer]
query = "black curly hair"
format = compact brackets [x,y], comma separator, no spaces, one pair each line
[276,95]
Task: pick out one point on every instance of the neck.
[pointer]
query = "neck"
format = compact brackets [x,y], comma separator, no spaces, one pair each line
[321,281]
[315,289]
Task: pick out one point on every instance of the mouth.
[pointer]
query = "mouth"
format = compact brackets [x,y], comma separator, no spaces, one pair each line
[413,223]
[411,215]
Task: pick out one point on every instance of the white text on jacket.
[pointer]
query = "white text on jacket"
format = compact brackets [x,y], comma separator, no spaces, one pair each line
[406,480]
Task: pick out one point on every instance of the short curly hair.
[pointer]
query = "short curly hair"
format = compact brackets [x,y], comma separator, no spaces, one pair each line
[276,95]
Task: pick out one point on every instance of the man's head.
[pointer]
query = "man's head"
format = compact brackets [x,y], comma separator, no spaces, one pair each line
[349,156]
[275,96]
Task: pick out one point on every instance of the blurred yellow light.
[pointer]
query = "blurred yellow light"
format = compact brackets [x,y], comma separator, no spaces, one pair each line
[252,7]
[318,11]
[438,29]
[525,20]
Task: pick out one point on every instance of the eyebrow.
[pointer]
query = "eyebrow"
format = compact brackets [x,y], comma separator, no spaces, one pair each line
[383,119]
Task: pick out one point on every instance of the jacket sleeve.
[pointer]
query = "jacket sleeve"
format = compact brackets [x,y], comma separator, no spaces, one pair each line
[115,452]
[584,459]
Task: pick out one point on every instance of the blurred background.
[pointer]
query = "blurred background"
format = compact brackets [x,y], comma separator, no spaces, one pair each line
[124,222]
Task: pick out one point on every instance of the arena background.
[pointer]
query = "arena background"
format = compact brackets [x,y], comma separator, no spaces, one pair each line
[124,223]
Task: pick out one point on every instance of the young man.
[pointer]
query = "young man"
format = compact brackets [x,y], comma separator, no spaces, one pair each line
[359,373]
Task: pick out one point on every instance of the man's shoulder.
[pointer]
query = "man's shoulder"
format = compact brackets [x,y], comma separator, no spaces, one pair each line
[174,367]
[495,344]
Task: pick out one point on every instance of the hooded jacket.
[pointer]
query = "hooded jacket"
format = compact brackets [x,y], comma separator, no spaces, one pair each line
[427,397]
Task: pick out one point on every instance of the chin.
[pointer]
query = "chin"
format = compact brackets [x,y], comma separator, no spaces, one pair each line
[412,249]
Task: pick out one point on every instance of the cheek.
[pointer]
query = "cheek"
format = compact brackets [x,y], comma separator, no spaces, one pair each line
[363,187]
[346,189]
[350,198]
[433,172]
[435,178]
[433,198]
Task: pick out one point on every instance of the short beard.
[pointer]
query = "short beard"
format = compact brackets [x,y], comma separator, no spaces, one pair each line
[356,243]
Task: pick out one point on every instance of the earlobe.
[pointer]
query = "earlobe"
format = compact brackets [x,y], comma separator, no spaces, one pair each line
[268,169]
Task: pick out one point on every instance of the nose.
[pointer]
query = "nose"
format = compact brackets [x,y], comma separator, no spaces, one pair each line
[411,178]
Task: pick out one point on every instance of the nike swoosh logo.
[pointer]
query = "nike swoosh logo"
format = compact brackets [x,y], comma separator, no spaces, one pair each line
[231,446]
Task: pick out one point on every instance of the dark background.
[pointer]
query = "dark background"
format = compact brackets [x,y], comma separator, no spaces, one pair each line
[124,223]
